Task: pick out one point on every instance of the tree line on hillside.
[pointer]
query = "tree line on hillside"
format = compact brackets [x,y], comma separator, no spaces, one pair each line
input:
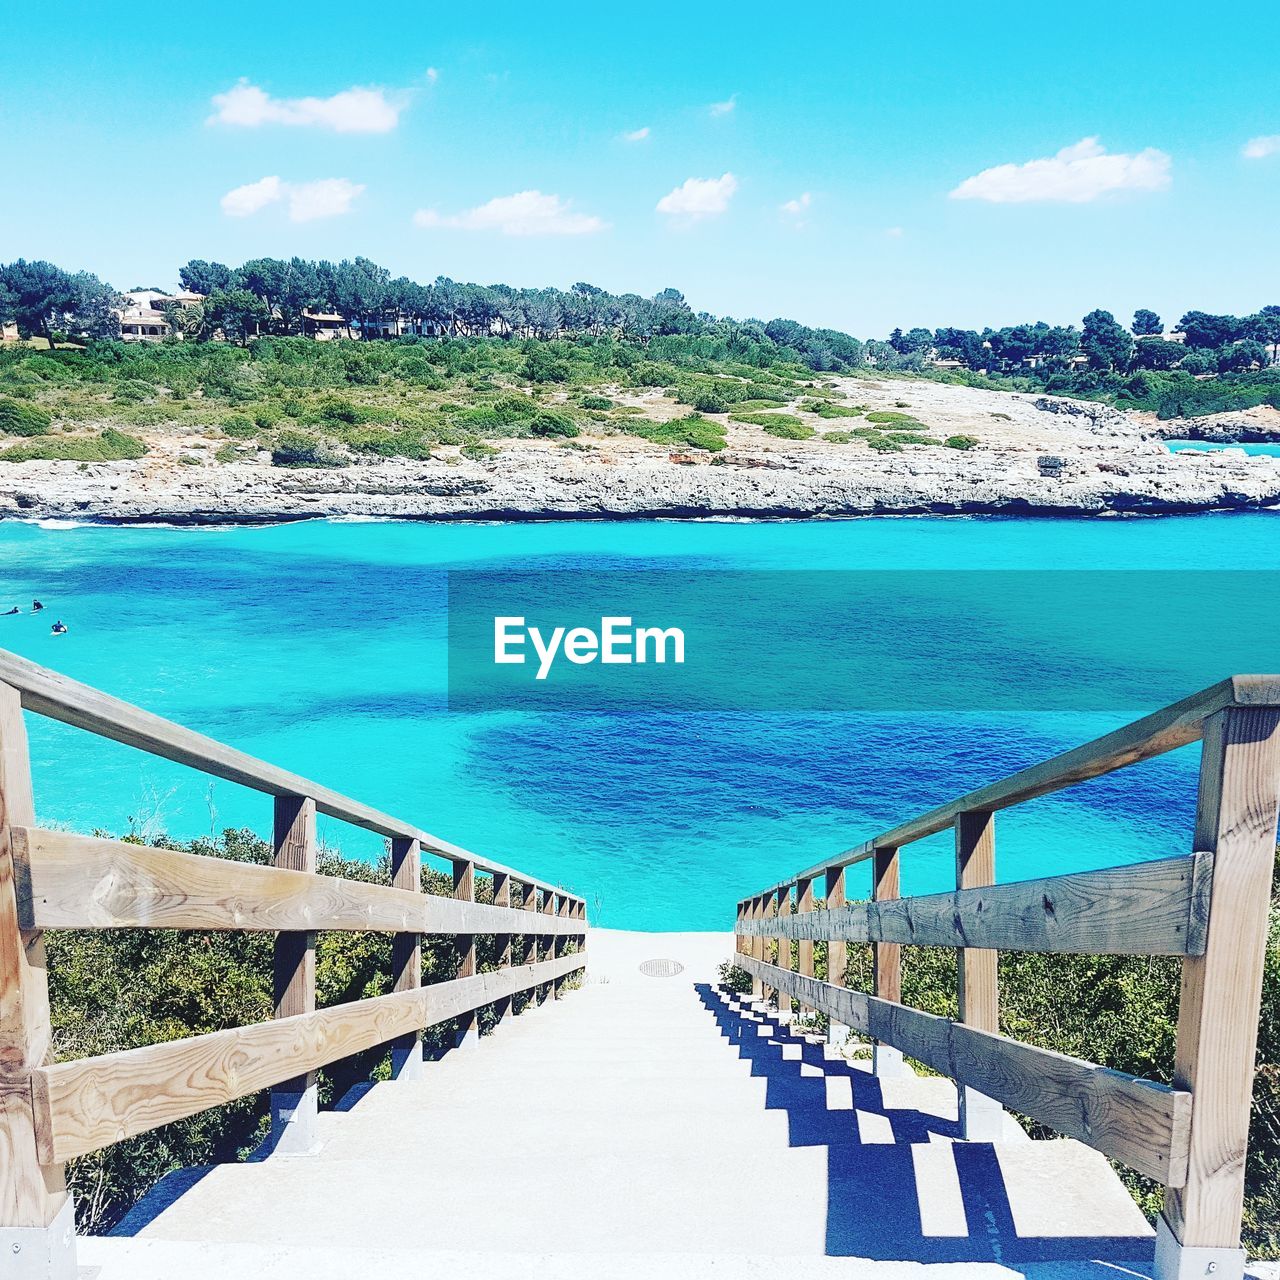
[274,296]
[1210,344]
[270,296]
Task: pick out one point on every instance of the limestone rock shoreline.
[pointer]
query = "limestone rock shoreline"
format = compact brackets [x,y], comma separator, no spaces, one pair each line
[1039,455]
[539,484]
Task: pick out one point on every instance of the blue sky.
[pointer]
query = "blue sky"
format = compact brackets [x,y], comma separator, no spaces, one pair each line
[115,156]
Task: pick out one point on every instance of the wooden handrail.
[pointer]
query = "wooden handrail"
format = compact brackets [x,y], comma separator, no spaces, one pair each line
[1158,908]
[57,697]
[53,1112]
[1210,909]
[1154,735]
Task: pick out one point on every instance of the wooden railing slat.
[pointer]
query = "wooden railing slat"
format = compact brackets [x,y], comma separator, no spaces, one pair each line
[1162,731]
[1146,908]
[82,882]
[1143,1124]
[94,1102]
[49,694]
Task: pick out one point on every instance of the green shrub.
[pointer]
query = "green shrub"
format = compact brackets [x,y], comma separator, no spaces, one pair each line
[911,437]
[709,401]
[302,449]
[227,453]
[546,423]
[597,402]
[20,419]
[542,366]
[960,442]
[768,420]
[693,431]
[882,444]
[110,446]
[825,409]
[761,402]
[133,391]
[887,415]
[239,426]
[839,437]
[788,431]
[479,451]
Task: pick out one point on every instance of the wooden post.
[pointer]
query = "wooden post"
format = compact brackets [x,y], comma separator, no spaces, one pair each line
[502,898]
[37,1235]
[464,887]
[804,948]
[783,898]
[550,947]
[562,942]
[837,951]
[887,964]
[981,1119]
[293,1102]
[755,948]
[529,902]
[580,913]
[1199,1230]
[406,957]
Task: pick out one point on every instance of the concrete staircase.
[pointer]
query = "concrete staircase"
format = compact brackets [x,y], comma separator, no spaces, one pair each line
[642,1127]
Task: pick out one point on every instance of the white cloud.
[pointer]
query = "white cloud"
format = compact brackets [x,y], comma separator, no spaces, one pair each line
[725,107]
[894,233]
[355,110]
[699,197]
[253,196]
[1261,148]
[527,213]
[325,198]
[432,75]
[1075,175]
[307,201]
[799,206]
[636,135]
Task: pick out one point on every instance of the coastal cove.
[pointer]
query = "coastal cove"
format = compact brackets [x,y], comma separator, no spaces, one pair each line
[322,645]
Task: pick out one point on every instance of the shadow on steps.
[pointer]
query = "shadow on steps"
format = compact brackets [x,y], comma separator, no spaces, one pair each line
[902,1187]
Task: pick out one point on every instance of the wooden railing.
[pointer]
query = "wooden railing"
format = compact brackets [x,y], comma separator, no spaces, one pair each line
[52,1111]
[1209,907]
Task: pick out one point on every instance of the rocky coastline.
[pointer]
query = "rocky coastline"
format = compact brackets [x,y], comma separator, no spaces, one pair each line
[1035,456]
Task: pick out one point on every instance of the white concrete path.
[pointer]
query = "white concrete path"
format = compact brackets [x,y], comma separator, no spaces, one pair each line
[641,1127]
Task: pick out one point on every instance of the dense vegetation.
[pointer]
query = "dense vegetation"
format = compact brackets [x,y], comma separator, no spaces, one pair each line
[1119,1011]
[1226,362]
[312,403]
[123,988]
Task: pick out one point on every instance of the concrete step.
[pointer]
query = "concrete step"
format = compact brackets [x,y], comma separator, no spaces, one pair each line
[907,1202]
[118,1259]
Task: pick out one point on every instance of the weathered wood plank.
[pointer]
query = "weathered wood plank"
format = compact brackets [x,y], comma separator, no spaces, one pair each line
[885,887]
[1161,731]
[502,898]
[30,1195]
[1146,908]
[94,1102]
[804,947]
[1222,988]
[49,694]
[80,882]
[1143,1124]
[295,950]
[837,950]
[406,948]
[464,889]
[529,908]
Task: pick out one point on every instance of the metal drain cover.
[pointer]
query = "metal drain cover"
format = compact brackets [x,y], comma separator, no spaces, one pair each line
[661,968]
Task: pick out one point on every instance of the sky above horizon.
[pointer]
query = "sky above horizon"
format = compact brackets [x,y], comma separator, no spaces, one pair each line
[848,167]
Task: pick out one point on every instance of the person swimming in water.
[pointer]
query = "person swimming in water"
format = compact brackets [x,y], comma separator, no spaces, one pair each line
[59,628]
[8,612]
[36,606]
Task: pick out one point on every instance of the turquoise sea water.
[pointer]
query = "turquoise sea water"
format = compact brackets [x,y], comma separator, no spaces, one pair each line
[322,647]
[1204,446]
